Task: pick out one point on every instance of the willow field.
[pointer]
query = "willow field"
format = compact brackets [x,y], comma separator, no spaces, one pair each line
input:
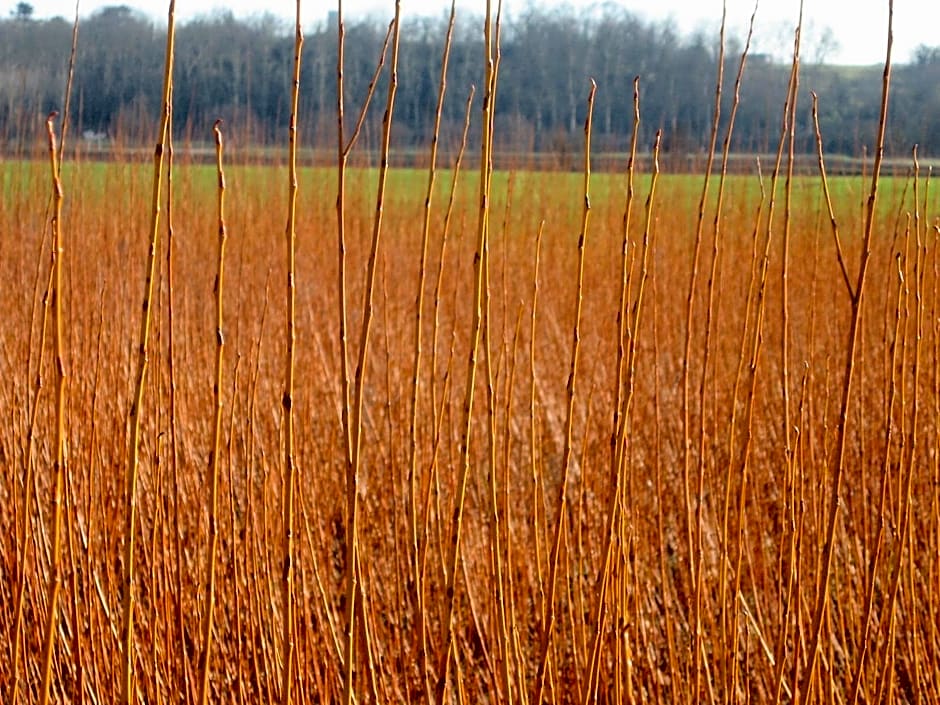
[467,433]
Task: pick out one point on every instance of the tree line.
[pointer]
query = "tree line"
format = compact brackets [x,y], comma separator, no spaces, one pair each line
[239,70]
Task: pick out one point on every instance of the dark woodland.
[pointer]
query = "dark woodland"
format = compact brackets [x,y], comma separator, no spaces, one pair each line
[239,70]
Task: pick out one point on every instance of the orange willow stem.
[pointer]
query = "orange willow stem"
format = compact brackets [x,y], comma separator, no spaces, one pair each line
[619,423]
[70,75]
[616,507]
[822,589]
[438,414]
[213,479]
[290,471]
[622,317]
[495,544]
[692,525]
[710,309]
[825,186]
[143,362]
[560,522]
[354,589]
[413,481]
[453,556]
[344,149]
[55,582]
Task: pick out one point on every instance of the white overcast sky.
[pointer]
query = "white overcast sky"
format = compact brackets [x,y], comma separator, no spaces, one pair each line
[857,26]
